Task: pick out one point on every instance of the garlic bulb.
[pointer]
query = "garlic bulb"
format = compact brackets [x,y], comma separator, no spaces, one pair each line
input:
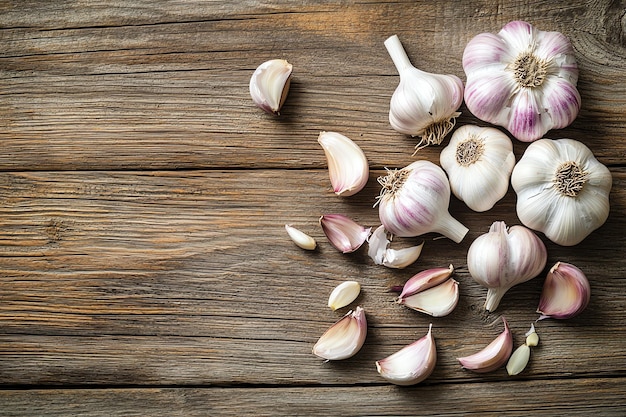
[269,85]
[493,356]
[562,190]
[411,364]
[503,258]
[478,161]
[423,104]
[343,294]
[414,200]
[347,164]
[381,254]
[300,238]
[343,233]
[522,79]
[565,294]
[344,338]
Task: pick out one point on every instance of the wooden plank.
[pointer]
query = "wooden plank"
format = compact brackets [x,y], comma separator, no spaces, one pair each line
[189,278]
[149,87]
[603,396]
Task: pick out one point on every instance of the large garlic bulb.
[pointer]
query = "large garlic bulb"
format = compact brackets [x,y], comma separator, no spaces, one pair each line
[522,79]
[478,161]
[562,190]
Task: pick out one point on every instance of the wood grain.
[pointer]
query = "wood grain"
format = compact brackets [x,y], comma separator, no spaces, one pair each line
[144,267]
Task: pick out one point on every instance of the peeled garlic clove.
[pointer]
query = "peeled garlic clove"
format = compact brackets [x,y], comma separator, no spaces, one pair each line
[344,233]
[347,164]
[566,292]
[344,338]
[518,360]
[270,83]
[425,280]
[437,301]
[411,364]
[532,338]
[493,356]
[343,294]
[392,258]
[300,238]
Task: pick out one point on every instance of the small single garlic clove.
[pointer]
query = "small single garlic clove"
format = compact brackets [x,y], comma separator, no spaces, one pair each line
[532,338]
[425,280]
[519,359]
[347,164]
[344,338]
[343,294]
[566,292]
[493,356]
[411,364]
[270,83]
[381,254]
[436,301]
[300,238]
[344,233]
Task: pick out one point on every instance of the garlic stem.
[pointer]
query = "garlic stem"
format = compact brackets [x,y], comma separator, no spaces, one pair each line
[398,54]
[450,227]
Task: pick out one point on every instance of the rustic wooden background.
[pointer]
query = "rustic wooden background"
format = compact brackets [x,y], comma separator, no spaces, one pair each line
[144,268]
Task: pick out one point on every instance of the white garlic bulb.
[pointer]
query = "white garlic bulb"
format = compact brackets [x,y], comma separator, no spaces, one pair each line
[562,190]
[423,104]
[478,161]
[270,83]
[522,79]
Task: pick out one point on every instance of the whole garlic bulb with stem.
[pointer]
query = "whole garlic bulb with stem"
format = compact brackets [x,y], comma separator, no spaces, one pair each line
[269,85]
[503,257]
[423,104]
[478,161]
[414,200]
[522,79]
[562,190]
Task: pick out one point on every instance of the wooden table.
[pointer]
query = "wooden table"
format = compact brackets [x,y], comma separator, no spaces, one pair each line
[144,265]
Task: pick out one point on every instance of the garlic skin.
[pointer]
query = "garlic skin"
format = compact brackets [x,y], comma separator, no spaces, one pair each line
[566,292]
[562,190]
[479,162]
[437,301]
[343,294]
[343,233]
[344,338]
[411,364]
[493,356]
[414,200]
[423,104]
[381,254]
[300,238]
[269,85]
[347,164]
[501,259]
[522,79]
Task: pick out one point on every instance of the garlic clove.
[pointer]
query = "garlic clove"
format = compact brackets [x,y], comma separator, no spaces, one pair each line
[378,244]
[343,233]
[270,83]
[347,164]
[532,338]
[436,301]
[300,238]
[344,338]
[411,364]
[518,360]
[343,294]
[493,356]
[566,292]
[392,258]
[425,280]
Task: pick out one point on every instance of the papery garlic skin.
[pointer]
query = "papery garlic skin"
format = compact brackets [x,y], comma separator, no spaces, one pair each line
[423,104]
[344,233]
[479,162]
[381,254]
[300,238]
[411,364]
[344,338]
[269,85]
[437,301]
[566,292]
[493,356]
[414,200]
[562,190]
[343,294]
[347,164]
[502,258]
[522,79]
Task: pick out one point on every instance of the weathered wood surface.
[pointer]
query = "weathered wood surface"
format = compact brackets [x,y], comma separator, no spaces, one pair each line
[144,268]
